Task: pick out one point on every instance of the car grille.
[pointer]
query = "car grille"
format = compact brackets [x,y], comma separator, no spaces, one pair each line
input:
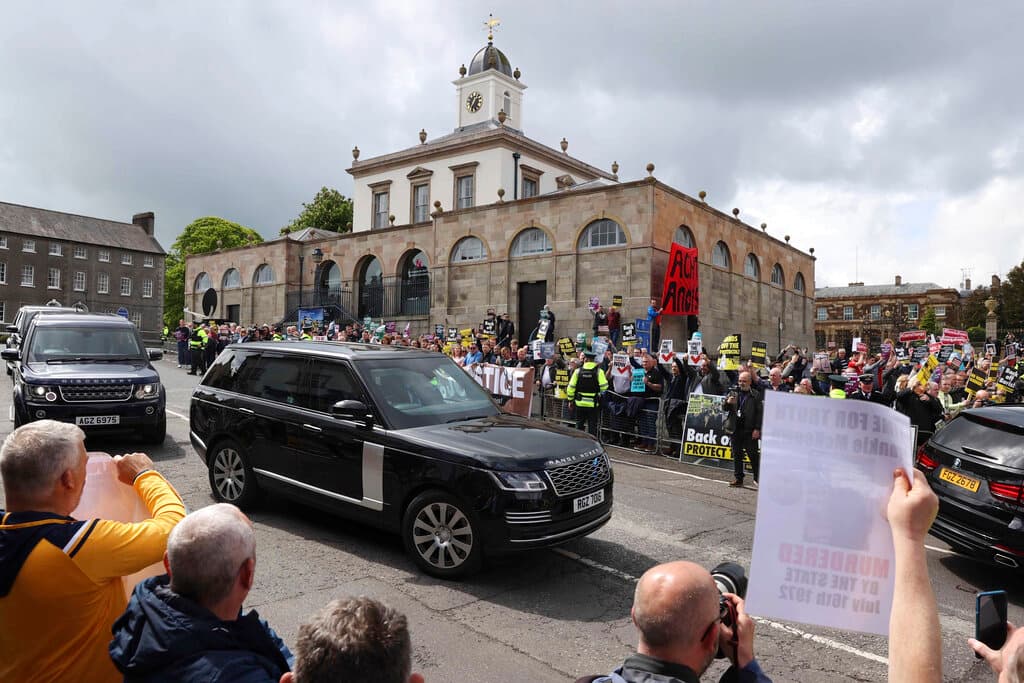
[580,476]
[81,393]
[540,517]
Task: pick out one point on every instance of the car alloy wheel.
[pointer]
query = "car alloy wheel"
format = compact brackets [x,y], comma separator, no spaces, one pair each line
[231,478]
[440,536]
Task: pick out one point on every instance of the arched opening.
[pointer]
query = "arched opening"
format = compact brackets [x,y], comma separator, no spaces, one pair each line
[231,279]
[328,284]
[264,275]
[530,242]
[798,283]
[468,249]
[778,277]
[203,282]
[371,288]
[414,280]
[684,237]
[720,256]
[602,233]
[751,267]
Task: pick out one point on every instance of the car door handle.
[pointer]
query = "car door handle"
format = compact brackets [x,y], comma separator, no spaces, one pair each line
[246,411]
[312,428]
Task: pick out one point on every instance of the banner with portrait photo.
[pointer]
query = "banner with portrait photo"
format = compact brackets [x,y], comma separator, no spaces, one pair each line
[729,353]
[704,439]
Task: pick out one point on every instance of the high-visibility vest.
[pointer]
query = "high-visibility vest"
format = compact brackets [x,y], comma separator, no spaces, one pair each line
[586,383]
[197,339]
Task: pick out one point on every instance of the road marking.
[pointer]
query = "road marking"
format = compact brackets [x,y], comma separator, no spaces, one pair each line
[177,415]
[821,640]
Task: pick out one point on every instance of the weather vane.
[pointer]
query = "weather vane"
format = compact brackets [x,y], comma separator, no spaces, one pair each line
[491,24]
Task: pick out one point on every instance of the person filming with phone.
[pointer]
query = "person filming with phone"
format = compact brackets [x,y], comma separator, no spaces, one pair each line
[1006,662]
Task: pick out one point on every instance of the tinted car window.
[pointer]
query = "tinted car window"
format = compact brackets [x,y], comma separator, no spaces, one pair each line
[230,370]
[413,392]
[49,343]
[987,439]
[330,383]
[277,378]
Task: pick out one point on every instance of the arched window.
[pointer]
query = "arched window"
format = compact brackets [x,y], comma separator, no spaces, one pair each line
[203,282]
[330,275]
[264,275]
[469,249]
[751,268]
[720,256]
[231,279]
[602,233]
[328,285]
[798,283]
[531,241]
[684,237]
[371,288]
[415,275]
[778,278]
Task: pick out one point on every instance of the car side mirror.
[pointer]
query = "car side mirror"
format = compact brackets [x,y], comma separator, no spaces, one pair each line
[155,354]
[352,410]
[10,354]
[12,328]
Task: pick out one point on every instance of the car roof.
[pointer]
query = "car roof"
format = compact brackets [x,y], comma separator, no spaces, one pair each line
[1007,414]
[79,319]
[349,350]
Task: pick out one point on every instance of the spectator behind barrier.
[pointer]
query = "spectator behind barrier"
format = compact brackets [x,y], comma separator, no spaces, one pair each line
[60,578]
[188,625]
[355,639]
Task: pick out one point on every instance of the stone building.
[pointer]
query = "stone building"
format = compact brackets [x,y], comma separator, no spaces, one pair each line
[486,217]
[100,265]
[875,312]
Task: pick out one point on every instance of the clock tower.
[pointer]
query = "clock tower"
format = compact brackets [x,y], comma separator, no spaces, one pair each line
[489,86]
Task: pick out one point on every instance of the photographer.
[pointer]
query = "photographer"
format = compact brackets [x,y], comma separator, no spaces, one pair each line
[679,613]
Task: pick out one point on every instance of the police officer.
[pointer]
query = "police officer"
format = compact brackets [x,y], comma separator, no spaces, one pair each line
[196,346]
[866,391]
[585,388]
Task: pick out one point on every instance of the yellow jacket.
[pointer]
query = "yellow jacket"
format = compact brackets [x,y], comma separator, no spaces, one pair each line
[61,589]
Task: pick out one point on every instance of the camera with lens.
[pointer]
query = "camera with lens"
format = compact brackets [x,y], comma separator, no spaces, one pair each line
[729,578]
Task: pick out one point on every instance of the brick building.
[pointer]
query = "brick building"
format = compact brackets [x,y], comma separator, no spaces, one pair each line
[97,264]
[875,312]
[486,217]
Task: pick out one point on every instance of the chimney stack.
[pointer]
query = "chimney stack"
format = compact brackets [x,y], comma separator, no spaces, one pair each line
[995,281]
[967,284]
[146,221]
[899,280]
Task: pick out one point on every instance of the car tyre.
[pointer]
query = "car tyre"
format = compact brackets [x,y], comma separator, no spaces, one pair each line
[156,434]
[441,534]
[231,478]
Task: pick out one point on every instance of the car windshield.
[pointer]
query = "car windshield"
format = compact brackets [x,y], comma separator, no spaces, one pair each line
[414,391]
[990,440]
[56,343]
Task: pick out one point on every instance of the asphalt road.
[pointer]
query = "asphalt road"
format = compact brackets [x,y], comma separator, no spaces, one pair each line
[552,615]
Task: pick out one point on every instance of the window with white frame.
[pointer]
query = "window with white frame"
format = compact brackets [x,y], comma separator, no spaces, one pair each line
[876,312]
[80,252]
[3,241]
[603,232]
[798,283]
[29,246]
[380,209]
[420,203]
[529,187]
[469,249]
[822,313]
[3,311]
[28,276]
[3,273]
[751,267]
[847,312]
[79,281]
[912,311]
[464,192]
[103,256]
[264,275]
[103,283]
[720,256]
[126,258]
[778,277]
[126,286]
[147,289]
[940,311]
[53,278]
[56,249]
[529,242]
[136,317]
[684,236]
[147,261]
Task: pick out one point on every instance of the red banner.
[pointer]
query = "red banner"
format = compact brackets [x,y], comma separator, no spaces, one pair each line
[913,335]
[951,336]
[680,295]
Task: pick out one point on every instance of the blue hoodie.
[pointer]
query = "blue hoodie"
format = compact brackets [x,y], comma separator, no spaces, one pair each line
[163,636]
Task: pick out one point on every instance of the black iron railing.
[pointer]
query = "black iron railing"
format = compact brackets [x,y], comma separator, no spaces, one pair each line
[389,297]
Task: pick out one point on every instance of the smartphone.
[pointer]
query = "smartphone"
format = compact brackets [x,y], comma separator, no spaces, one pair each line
[990,619]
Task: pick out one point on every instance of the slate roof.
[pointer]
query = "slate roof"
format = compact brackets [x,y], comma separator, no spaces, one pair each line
[56,225]
[876,290]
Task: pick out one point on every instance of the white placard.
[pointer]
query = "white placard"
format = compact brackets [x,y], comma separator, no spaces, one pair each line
[693,348]
[823,550]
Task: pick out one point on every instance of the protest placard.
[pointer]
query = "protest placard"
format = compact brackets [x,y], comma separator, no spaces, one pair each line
[490,327]
[542,328]
[759,354]
[439,331]
[453,334]
[952,336]
[628,333]
[598,346]
[990,350]
[514,386]
[820,364]
[945,351]
[535,349]
[1010,351]
[924,375]
[1007,378]
[547,350]
[617,301]
[562,378]
[886,351]
[680,294]
[913,336]
[594,303]
[901,354]
[729,353]
[975,381]
[920,353]
[665,353]
[860,347]
[566,347]
[620,363]
[693,350]
[823,550]
[637,385]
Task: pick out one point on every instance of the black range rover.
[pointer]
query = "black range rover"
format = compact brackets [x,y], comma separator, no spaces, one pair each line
[398,438]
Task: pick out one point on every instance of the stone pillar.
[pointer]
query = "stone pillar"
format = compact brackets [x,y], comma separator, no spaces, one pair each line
[991,324]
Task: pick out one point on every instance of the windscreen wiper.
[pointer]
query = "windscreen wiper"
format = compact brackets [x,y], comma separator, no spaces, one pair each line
[71,359]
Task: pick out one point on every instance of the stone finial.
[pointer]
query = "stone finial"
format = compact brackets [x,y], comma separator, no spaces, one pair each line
[787,239]
[736,213]
[355,154]
[564,145]
[615,168]
[423,136]
[516,74]
[462,70]
[764,227]
[703,195]
[391,219]
[650,170]
[501,195]
[437,207]
[811,250]
[991,304]
[349,226]
[502,116]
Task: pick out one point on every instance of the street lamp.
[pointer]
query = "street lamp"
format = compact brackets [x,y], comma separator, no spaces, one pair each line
[318,256]
[302,261]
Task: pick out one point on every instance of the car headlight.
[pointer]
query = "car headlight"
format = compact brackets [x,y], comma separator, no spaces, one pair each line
[519,481]
[148,390]
[39,392]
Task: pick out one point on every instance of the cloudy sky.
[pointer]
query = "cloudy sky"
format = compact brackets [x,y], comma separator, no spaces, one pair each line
[887,135]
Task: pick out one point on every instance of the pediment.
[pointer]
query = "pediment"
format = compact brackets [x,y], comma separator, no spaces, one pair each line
[419,172]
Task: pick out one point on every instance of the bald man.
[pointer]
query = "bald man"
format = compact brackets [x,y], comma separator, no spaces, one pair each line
[677,611]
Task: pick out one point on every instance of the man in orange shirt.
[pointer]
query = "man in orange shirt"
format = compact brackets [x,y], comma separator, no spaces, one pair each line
[60,578]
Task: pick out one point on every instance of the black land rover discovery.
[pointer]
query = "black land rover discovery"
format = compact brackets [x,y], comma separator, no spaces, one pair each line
[398,438]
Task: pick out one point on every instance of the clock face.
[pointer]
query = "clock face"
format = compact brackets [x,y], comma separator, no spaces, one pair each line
[474,102]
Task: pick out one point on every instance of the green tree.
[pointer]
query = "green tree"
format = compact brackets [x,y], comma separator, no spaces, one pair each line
[928,323]
[1010,295]
[329,210]
[972,310]
[201,236]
